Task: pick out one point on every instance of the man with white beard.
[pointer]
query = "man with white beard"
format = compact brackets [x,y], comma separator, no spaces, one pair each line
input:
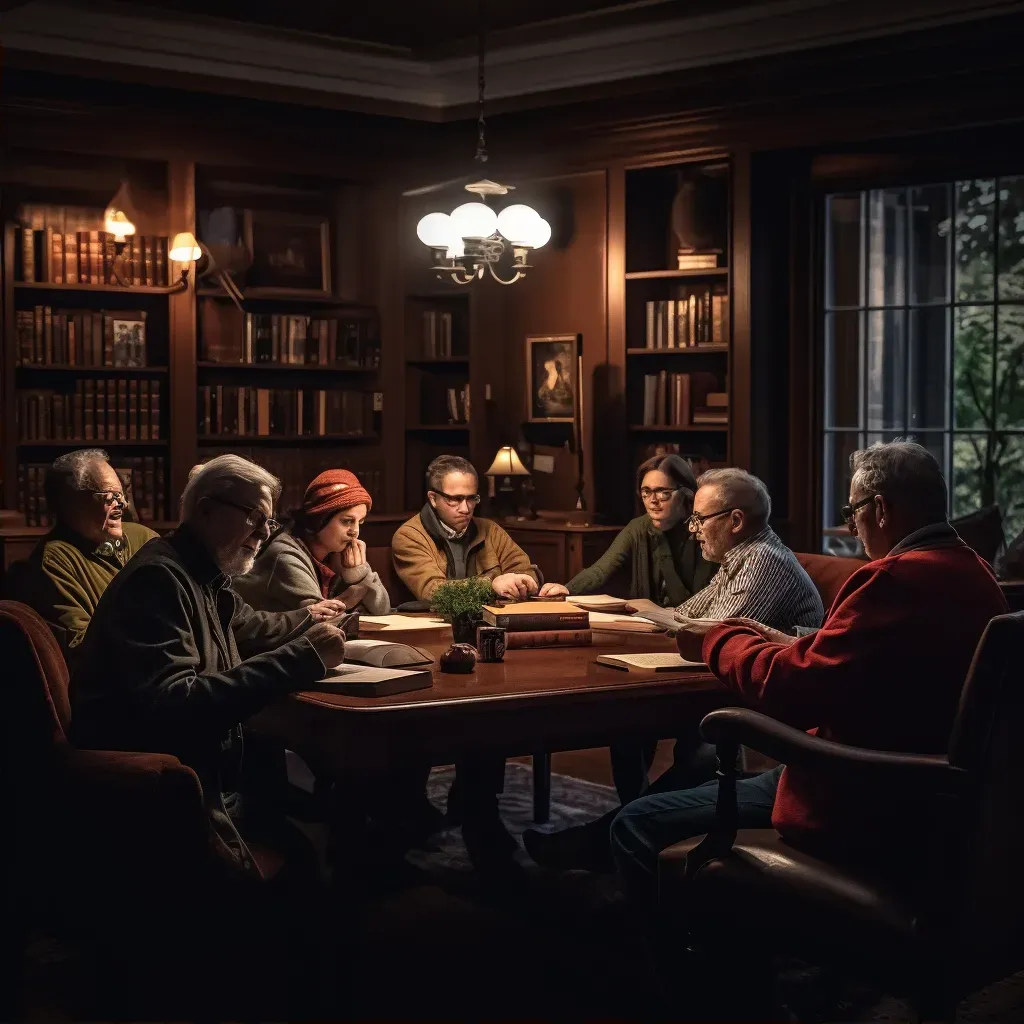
[174,659]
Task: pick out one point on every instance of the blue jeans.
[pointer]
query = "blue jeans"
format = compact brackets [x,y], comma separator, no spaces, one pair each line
[645,827]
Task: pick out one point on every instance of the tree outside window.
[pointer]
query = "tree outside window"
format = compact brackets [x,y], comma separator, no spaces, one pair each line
[924,338]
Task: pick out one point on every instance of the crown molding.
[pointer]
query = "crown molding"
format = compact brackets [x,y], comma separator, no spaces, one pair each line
[249,58]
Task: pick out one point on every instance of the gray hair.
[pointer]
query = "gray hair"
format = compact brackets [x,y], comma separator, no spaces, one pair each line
[445,464]
[742,490]
[905,474]
[69,472]
[222,476]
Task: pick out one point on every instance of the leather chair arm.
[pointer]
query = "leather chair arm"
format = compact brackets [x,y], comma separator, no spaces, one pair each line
[735,726]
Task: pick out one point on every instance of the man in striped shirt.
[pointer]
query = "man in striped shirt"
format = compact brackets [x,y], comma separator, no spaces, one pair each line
[759,577]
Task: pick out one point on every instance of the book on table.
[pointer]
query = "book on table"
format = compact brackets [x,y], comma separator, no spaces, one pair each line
[368,681]
[399,623]
[526,616]
[661,661]
[601,603]
[385,654]
[617,623]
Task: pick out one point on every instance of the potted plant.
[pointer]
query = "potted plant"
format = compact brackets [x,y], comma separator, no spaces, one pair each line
[461,602]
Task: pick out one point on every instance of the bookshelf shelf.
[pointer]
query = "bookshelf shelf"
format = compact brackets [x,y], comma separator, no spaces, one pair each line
[81,443]
[429,428]
[652,275]
[285,367]
[248,439]
[691,350]
[126,371]
[696,428]
[107,289]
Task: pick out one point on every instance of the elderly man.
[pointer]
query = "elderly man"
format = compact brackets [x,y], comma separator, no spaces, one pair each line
[67,573]
[884,671]
[444,541]
[174,660]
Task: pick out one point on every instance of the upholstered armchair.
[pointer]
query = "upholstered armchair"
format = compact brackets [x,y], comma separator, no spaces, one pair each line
[953,925]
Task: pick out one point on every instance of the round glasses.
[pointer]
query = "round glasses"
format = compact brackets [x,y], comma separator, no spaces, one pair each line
[696,520]
[254,517]
[455,500]
[658,494]
[108,498]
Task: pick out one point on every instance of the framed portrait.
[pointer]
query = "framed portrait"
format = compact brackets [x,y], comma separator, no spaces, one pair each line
[289,251]
[553,377]
[126,338]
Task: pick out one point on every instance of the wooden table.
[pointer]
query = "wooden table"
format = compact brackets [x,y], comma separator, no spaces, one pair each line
[536,700]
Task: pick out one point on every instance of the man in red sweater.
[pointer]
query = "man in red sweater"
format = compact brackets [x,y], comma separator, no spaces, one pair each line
[884,671]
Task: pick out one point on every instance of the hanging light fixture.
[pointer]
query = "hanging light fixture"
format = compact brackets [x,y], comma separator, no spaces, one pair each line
[474,237]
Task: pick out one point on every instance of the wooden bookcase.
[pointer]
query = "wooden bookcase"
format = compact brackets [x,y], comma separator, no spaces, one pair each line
[677,318]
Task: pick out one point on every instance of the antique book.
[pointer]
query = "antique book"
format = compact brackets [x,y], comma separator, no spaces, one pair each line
[399,623]
[369,681]
[532,615]
[600,603]
[662,661]
[548,638]
[616,622]
[385,654]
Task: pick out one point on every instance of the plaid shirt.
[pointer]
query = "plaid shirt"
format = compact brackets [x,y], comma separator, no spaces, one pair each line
[760,579]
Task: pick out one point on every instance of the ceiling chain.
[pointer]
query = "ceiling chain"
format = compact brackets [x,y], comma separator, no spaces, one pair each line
[481,126]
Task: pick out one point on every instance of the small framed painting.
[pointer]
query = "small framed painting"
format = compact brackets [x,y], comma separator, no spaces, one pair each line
[290,252]
[553,377]
[126,339]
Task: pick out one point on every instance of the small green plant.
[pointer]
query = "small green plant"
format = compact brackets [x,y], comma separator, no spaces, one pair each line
[457,598]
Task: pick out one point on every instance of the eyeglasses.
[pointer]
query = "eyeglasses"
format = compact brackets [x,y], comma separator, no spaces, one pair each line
[696,521]
[848,511]
[455,500]
[108,498]
[659,494]
[254,517]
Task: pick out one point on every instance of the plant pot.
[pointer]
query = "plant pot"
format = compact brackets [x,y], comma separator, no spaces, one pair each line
[464,628]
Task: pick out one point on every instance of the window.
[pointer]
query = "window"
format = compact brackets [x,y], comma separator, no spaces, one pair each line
[924,338]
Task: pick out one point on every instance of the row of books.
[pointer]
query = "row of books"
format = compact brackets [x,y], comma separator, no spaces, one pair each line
[296,467]
[289,339]
[541,624]
[449,406]
[81,337]
[437,334]
[679,399]
[699,317]
[89,257]
[241,411]
[145,481]
[97,410]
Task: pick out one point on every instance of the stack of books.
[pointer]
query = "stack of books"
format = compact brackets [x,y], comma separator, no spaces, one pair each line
[540,624]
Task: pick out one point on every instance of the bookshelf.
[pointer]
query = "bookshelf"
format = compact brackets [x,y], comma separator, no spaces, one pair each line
[676,309]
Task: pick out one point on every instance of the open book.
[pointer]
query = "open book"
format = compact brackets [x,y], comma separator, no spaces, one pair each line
[618,622]
[399,623]
[601,603]
[663,661]
[366,681]
[385,654]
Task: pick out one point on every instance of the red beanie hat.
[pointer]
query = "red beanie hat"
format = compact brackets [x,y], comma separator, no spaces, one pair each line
[334,490]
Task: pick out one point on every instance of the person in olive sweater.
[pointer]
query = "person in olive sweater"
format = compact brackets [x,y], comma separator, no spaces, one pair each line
[65,576]
[664,563]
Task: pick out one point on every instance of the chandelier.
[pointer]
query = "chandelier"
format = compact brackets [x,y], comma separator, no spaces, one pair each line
[474,236]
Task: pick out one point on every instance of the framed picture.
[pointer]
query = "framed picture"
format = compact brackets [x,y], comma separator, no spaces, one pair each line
[553,377]
[126,339]
[289,251]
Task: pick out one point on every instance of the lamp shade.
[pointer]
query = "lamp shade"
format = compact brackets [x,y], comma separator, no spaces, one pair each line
[507,463]
[184,248]
[434,230]
[538,233]
[518,221]
[119,216]
[474,220]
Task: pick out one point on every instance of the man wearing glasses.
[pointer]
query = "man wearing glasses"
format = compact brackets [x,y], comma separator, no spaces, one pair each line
[444,541]
[64,578]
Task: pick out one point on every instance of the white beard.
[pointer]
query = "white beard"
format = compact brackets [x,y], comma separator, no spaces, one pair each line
[238,564]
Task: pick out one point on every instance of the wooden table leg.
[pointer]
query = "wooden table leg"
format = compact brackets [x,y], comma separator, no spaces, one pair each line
[541,788]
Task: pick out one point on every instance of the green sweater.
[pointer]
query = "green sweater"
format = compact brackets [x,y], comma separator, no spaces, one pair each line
[665,567]
[65,576]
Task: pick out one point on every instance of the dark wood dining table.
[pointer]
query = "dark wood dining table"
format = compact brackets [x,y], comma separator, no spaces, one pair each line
[536,700]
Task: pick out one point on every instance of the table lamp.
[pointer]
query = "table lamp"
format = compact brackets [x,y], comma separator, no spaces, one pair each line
[506,464]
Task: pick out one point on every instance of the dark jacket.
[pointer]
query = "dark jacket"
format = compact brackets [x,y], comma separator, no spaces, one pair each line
[161,669]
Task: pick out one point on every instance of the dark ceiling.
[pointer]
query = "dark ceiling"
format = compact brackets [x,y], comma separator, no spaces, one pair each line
[442,27]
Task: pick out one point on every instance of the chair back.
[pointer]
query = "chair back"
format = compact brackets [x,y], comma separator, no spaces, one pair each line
[985,742]
[828,573]
[35,694]
[381,562]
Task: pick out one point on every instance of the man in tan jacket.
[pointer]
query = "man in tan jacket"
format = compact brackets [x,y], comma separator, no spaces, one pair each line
[444,541]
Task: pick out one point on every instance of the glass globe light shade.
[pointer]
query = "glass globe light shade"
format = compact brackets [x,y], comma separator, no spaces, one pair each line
[474,220]
[537,234]
[434,230]
[184,248]
[456,248]
[515,221]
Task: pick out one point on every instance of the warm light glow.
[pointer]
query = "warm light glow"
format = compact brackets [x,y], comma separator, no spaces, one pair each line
[184,248]
[435,230]
[474,220]
[507,463]
[118,225]
[515,221]
[537,234]
[456,248]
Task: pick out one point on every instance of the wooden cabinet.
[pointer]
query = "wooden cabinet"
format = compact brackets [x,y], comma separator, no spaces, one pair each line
[560,550]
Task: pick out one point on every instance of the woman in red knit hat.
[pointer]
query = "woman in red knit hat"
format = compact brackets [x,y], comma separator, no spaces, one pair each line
[319,553]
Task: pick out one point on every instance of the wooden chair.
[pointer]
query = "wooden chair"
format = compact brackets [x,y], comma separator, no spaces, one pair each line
[953,926]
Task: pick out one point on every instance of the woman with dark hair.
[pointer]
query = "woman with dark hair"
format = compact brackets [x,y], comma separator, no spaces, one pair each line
[665,565]
[319,553]
[658,550]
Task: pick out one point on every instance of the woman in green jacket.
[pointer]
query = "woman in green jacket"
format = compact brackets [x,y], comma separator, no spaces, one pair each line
[657,549]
